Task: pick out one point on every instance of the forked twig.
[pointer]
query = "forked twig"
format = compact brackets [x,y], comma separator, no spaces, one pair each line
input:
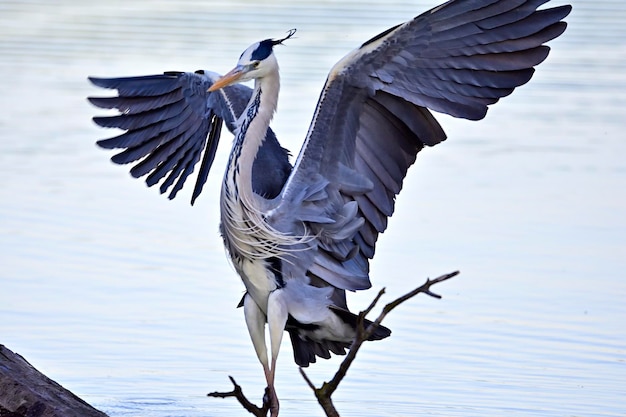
[324,393]
[237,392]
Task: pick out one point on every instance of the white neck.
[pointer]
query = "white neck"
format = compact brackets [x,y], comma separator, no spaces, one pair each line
[246,233]
[257,116]
[242,218]
[250,134]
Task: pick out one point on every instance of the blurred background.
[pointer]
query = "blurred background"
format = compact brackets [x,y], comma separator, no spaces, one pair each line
[128,300]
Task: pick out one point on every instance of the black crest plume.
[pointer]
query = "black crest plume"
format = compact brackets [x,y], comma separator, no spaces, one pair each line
[280,41]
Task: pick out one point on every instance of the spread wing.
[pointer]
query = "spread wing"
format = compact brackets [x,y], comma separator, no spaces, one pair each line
[372,120]
[171,122]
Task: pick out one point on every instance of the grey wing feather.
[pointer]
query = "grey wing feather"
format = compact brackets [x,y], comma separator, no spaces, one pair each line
[372,120]
[466,55]
[172,123]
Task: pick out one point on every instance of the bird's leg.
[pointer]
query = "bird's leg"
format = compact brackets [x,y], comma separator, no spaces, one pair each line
[276,320]
[255,321]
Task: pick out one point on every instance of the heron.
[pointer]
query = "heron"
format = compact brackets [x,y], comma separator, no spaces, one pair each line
[301,235]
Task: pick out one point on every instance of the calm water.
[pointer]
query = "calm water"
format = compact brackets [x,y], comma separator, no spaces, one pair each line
[127,298]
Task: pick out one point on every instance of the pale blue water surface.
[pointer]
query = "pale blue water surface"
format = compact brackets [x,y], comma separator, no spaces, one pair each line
[127,299]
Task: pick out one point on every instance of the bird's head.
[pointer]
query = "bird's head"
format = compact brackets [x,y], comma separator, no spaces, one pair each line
[255,62]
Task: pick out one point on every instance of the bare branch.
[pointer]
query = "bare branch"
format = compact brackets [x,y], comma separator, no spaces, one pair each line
[306,379]
[424,288]
[369,308]
[324,393]
[237,392]
[322,398]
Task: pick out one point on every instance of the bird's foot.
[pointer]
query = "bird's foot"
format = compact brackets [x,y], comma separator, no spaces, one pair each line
[270,400]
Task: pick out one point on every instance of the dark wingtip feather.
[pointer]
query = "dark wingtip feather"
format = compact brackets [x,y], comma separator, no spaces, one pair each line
[101,102]
[563,11]
[558,29]
[208,157]
[110,143]
[97,81]
[106,121]
[124,158]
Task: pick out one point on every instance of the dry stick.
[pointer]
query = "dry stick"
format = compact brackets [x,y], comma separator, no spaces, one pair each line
[324,393]
[237,392]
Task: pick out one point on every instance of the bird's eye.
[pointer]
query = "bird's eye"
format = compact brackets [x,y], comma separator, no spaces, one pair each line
[255,64]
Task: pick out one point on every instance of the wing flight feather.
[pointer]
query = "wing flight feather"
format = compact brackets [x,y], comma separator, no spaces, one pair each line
[171,123]
[373,117]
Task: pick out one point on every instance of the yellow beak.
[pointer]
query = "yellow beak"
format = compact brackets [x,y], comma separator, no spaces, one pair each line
[232,77]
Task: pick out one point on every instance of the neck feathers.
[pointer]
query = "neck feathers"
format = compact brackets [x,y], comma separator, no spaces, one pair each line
[246,233]
[253,124]
[255,119]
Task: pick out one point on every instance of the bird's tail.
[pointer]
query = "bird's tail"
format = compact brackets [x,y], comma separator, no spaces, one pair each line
[306,349]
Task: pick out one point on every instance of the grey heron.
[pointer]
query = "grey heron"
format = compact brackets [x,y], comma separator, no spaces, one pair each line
[301,236]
